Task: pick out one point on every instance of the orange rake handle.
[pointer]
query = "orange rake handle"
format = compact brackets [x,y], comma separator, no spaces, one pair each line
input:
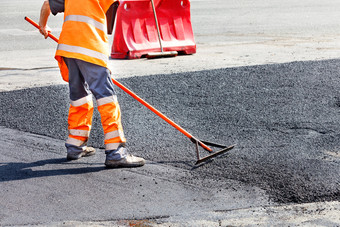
[158,113]
[38,27]
[147,105]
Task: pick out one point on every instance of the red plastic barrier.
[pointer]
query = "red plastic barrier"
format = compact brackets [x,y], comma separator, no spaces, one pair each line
[135,32]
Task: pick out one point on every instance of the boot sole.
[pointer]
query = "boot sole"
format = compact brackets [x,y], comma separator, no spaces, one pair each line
[123,165]
[70,158]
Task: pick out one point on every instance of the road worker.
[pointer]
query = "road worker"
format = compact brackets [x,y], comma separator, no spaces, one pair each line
[82,55]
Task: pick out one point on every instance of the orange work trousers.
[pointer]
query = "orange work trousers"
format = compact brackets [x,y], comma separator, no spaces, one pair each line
[86,79]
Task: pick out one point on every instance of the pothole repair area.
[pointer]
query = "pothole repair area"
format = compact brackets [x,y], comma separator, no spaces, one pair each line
[284,119]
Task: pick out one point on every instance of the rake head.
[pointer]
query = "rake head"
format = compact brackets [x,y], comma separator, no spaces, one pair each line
[212,153]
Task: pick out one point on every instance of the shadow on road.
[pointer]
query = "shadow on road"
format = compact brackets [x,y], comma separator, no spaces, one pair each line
[22,170]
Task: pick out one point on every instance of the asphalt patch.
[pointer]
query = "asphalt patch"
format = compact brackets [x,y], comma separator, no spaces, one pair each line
[284,119]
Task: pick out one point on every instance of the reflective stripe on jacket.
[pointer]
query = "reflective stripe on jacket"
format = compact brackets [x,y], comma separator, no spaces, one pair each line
[84,33]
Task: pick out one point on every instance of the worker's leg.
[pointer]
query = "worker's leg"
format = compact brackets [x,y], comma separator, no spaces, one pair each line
[100,84]
[80,113]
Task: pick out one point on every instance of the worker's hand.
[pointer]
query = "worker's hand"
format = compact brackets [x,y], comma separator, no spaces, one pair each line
[45,30]
[44,14]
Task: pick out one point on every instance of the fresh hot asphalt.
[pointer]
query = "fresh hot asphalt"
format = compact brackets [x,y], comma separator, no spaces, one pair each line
[284,119]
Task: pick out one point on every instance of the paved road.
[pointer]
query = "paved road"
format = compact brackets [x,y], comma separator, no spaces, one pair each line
[284,118]
[227,33]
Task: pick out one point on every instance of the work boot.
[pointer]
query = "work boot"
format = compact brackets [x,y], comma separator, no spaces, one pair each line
[120,158]
[87,151]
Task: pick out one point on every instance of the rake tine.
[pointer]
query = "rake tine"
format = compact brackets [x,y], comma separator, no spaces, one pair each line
[214,154]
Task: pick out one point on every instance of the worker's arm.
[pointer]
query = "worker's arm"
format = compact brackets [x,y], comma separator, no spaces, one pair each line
[44,14]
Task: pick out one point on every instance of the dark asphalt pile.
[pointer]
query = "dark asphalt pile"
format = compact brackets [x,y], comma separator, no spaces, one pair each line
[284,119]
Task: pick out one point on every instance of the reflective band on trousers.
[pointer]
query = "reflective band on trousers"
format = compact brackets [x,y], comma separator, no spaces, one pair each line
[87,20]
[84,51]
[112,146]
[75,142]
[82,101]
[106,100]
[77,132]
[112,134]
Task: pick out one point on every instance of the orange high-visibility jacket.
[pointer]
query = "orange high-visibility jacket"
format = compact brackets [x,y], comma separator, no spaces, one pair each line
[84,33]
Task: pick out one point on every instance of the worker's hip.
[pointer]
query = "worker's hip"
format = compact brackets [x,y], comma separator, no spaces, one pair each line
[86,78]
